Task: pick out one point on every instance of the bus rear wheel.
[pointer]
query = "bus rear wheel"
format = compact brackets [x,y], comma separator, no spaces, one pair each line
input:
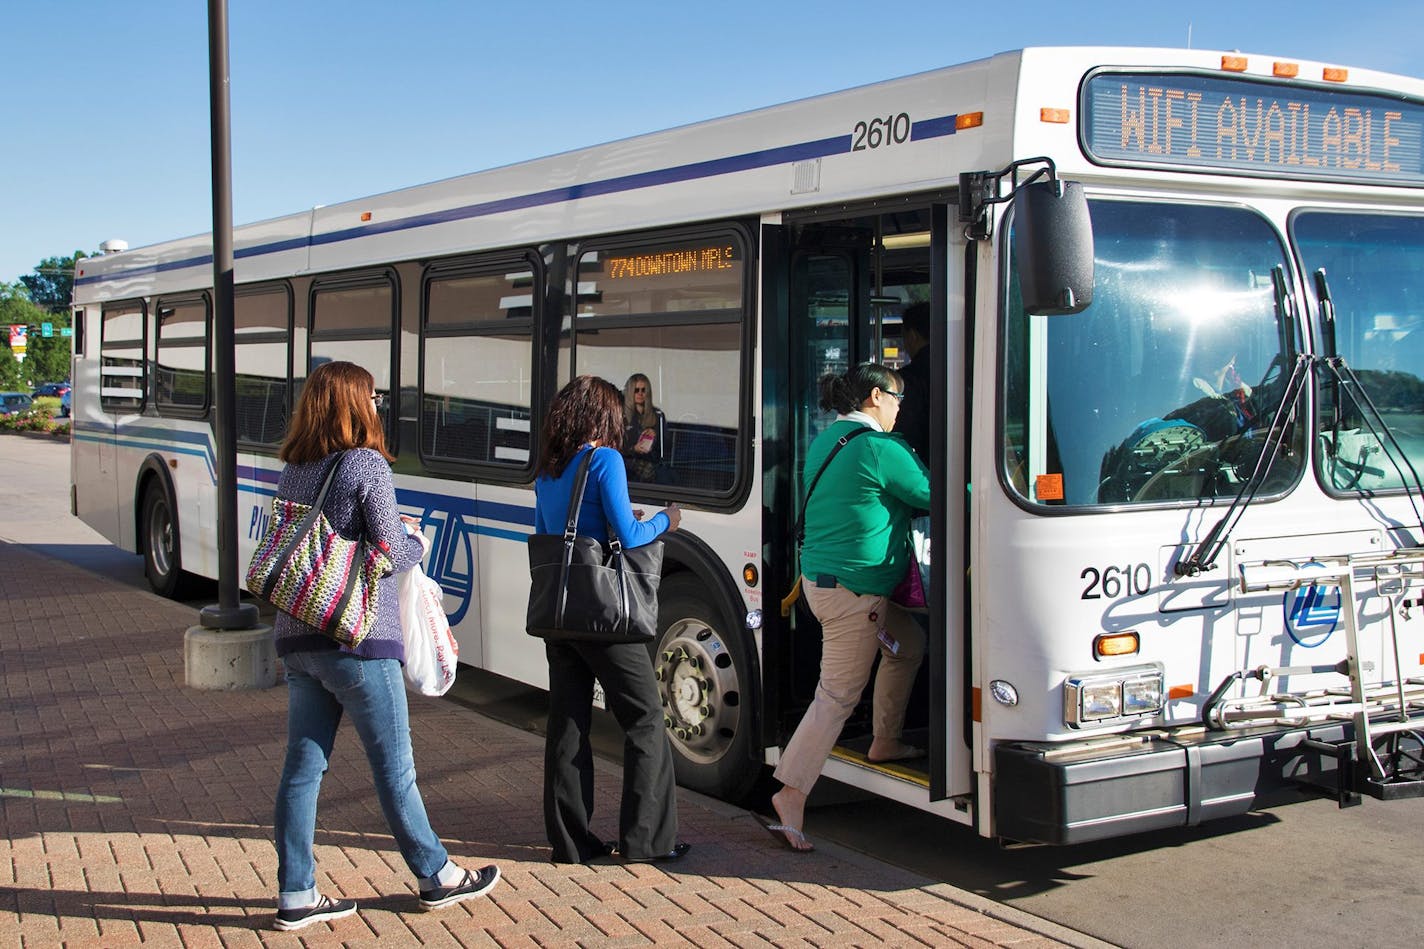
[706,681]
[158,537]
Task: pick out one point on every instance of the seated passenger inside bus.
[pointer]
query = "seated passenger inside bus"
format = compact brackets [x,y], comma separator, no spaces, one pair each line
[644,433]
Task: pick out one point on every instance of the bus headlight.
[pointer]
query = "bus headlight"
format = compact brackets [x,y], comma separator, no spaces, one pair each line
[1101,698]
[1143,695]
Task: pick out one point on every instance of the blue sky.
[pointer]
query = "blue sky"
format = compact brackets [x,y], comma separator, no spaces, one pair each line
[106,104]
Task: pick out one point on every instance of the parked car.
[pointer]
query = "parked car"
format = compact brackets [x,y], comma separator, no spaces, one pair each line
[64,403]
[14,402]
[56,389]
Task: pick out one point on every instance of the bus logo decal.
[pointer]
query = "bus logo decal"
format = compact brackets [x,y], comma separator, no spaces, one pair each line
[1311,613]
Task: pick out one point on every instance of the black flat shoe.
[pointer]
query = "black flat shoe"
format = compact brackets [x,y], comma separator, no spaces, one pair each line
[678,851]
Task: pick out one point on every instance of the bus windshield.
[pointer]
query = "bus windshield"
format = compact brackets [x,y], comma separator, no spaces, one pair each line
[1375,267]
[1162,390]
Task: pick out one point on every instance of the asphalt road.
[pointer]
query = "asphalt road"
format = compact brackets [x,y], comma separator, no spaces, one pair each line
[1302,874]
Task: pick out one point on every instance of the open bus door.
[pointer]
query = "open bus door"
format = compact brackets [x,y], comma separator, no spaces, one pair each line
[834,291]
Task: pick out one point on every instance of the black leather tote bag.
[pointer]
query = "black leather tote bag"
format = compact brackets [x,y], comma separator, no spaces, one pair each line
[586,591]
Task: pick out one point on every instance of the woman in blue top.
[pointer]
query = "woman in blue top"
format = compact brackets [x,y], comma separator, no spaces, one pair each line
[587,416]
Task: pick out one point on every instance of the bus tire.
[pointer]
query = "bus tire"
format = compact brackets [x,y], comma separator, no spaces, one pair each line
[158,541]
[706,682]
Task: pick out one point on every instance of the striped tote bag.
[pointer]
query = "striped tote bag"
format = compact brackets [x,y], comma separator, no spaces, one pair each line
[305,568]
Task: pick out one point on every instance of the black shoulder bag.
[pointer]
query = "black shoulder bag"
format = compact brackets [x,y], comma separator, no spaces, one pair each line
[581,590]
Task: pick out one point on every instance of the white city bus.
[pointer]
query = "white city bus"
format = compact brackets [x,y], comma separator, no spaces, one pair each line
[1176,528]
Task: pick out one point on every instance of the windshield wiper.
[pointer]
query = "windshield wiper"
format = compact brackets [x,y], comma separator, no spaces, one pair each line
[1344,379]
[1204,554]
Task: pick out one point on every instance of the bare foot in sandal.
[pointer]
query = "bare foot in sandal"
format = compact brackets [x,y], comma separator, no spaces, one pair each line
[790,807]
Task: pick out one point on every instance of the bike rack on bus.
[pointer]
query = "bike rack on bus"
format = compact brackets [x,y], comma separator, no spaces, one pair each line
[1385,758]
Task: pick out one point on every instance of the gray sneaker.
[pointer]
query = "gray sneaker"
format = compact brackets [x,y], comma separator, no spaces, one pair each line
[325,910]
[473,885]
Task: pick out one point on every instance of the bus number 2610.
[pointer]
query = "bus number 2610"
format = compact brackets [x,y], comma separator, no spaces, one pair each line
[1113,582]
[891,130]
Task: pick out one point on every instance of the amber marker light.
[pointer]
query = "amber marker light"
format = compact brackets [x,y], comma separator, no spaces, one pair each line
[750,575]
[1335,74]
[365,215]
[1056,116]
[1285,70]
[1111,645]
[1233,63]
[968,120]
[1180,692]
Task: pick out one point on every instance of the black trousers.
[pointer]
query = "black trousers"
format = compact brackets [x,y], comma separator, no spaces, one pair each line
[647,819]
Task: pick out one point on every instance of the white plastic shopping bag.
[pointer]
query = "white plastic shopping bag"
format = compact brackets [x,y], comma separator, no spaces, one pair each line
[431,652]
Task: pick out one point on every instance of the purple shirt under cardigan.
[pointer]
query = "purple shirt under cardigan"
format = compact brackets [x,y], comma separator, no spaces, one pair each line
[361,502]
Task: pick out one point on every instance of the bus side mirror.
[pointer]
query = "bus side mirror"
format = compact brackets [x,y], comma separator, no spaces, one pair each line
[1053,247]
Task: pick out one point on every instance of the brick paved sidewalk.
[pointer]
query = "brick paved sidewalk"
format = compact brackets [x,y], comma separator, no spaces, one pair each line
[135,810]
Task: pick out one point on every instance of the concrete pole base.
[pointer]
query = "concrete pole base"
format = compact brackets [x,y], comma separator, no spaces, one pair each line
[226,659]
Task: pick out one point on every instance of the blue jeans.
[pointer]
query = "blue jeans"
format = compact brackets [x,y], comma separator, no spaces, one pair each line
[320,687]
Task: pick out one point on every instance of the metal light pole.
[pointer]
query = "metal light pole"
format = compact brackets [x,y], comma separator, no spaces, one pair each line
[230,612]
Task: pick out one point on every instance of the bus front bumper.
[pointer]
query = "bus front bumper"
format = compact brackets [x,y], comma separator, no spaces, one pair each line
[1099,788]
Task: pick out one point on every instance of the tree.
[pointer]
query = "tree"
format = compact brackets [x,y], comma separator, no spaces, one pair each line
[9,372]
[52,283]
[46,359]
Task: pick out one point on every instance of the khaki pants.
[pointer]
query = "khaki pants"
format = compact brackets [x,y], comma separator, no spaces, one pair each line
[850,636]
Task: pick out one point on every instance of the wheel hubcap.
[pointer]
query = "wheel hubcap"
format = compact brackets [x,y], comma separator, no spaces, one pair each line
[160,538]
[701,693]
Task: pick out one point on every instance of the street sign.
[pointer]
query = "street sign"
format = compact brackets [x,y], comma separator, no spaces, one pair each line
[46,330]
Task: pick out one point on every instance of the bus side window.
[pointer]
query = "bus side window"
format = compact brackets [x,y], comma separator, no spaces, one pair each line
[671,309]
[353,319]
[123,340]
[477,360]
[263,318]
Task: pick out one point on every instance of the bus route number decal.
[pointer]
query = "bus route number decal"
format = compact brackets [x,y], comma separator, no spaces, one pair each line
[891,130]
[1113,582]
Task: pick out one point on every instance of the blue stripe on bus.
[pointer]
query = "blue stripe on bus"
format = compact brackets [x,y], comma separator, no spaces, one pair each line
[764,158]
[153,439]
[479,510]
[146,437]
[484,510]
[154,446]
[933,128]
[411,498]
[647,179]
[258,474]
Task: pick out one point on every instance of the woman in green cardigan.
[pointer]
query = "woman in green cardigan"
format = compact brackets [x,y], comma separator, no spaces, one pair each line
[854,554]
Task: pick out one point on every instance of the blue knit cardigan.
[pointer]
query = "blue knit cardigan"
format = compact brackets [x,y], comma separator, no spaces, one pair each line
[361,502]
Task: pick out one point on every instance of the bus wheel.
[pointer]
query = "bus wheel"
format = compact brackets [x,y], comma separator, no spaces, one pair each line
[704,674]
[162,559]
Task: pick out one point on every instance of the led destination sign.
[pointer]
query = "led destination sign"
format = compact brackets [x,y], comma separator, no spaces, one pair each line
[1243,125]
[663,262]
